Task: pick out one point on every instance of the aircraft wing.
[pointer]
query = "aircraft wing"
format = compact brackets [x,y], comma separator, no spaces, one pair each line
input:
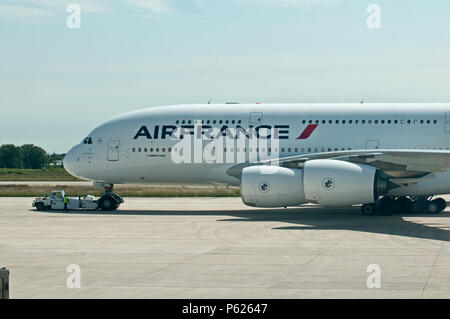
[401,166]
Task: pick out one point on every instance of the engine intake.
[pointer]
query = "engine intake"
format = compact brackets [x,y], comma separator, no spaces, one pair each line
[272,186]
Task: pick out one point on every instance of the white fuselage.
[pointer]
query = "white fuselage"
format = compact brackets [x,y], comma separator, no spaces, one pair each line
[136,148]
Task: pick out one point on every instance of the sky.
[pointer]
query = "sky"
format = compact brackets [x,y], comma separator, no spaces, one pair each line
[58,83]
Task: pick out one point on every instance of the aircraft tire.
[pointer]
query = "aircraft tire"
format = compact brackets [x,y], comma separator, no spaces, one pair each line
[386,206]
[402,204]
[369,209]
[441,203]
[432,207]
[107,203]
[415,207]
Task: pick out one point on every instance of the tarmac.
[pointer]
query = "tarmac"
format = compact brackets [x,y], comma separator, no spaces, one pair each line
[220,248]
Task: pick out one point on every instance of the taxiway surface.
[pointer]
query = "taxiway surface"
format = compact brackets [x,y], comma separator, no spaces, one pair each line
[220,248]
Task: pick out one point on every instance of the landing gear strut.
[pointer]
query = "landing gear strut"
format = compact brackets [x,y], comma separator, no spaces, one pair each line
[389,205]
[109,200]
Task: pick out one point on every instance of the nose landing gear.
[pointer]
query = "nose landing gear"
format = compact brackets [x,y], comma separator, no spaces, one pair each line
[109,201]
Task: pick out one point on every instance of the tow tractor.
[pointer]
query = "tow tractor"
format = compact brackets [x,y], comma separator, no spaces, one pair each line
[55,201]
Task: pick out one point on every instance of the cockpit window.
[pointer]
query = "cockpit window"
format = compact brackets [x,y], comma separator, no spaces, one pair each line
[87,140]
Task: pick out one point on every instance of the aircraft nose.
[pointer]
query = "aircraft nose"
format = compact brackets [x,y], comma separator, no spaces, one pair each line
[70,161]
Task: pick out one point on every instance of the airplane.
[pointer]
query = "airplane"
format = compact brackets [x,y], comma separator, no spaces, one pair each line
[385,157]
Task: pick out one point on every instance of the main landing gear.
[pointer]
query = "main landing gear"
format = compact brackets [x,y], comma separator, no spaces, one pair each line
[392,205]
[109,200]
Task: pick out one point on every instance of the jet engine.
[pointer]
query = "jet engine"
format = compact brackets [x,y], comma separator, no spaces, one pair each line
[323,182]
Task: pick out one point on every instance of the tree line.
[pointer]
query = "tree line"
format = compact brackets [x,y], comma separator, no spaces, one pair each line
[26,156]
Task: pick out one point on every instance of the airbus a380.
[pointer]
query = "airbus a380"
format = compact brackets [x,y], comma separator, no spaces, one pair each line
[386,157]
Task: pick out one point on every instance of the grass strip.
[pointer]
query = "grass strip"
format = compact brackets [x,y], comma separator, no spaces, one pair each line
[46,174]
[123,190]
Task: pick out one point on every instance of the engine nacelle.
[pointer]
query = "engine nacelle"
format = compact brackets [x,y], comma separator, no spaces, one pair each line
[340,183]
[272,186]
[323,182]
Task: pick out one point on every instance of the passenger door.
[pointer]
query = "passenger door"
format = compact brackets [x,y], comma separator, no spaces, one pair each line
[447,122]
[113,150]
[255,118]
